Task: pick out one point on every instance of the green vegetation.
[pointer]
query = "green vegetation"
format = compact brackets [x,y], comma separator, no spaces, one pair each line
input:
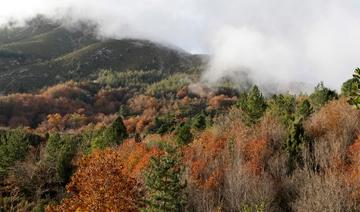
[40,57]
[164,124]
[164,183]
[304,109]
[321,96]
[354,91]
[283,107]
[59,153]
[129,79]
[349,87]
[47,45]
[168,87]
[183,134]
[293,144]
[199,121]
[252,104]
[115,134]
[14,146]
[256,208]
[132,128]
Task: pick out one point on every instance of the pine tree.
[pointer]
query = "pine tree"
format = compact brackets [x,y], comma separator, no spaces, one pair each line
[14,145]
[293,144]
[355,95]
[349,87]
[117,131]
[199,121]
[305,109]
[283,107]
[123,111]
[164,184]
[321,96]
[183,134]
[113,135]
[59,152]
[252,104]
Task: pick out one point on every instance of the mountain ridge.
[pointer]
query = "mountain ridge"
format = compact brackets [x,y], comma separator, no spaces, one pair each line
[58,54]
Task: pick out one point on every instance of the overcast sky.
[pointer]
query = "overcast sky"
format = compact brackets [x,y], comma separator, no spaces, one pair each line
[277,40]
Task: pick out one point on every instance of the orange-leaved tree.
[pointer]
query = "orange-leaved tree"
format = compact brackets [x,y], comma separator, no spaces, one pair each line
[100,184]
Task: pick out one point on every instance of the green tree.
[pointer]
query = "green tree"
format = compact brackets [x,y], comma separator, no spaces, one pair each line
[321,96]
[199,121]
[305,109]
[165,189]
[283,107]
[252,104]
[123,111]
[183,134]
[164,124]
[349,87]
[355,92]
[14,145]
[117,131]
[293,144]
[115,134]
[59,153]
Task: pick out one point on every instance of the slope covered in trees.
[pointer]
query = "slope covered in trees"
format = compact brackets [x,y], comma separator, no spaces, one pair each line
[45,52]
[284,153]
[144,134]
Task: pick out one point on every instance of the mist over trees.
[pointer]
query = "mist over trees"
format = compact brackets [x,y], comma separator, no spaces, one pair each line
[131,125]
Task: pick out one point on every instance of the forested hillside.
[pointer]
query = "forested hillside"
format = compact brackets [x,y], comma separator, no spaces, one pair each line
[127,125]
[45,52]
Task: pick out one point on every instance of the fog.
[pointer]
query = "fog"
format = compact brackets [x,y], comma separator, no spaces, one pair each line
[274,43]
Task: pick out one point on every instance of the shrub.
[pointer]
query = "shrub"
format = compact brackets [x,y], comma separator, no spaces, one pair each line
[321,192]
[333,129]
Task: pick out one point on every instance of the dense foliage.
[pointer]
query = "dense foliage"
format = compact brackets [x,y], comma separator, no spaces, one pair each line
[252,104]
[13,147]
[165,189]
[142,138]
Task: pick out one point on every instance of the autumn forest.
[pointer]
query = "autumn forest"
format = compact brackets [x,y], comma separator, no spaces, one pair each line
[128,125]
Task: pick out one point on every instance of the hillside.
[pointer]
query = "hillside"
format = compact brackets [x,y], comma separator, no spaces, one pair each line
[45,54]
[127,125]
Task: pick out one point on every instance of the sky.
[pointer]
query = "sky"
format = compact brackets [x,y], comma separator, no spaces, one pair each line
[272,41]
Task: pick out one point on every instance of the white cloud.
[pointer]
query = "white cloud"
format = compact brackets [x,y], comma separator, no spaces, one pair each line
[279,41]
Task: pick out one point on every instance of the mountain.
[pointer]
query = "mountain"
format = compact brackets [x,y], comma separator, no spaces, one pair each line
[44,53]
